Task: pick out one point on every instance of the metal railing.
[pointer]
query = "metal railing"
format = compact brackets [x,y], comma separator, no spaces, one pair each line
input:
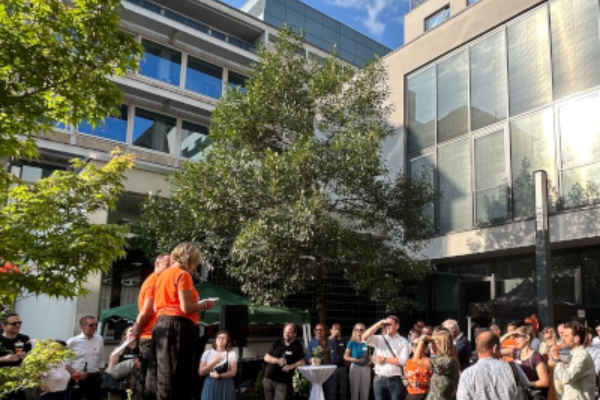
[194,24]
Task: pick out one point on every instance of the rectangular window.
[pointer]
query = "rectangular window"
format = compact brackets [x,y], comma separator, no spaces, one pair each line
[236,80]
[113,128]
[472,1]
[32,171]
[532,148]
[454,172]
[452,97]
[575,46]
[204,78]
[421,110]
[423,168]
[160,63]
[154,131]
[437,18]
[194,140]
[491,200]
[488,81]
[529,63]
[579,124]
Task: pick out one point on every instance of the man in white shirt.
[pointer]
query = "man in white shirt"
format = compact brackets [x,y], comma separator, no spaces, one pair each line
[490,378]
[88,347]
[392,351]
[578,376]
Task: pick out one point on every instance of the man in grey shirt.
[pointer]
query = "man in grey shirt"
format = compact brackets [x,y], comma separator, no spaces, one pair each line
[490,378]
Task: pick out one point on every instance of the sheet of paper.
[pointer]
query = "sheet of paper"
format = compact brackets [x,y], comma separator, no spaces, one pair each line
[121,347]
[210,299]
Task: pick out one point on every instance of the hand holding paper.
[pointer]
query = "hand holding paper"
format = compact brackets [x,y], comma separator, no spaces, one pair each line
[213,299]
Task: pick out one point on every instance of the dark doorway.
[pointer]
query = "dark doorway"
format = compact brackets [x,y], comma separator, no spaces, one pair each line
[473,292]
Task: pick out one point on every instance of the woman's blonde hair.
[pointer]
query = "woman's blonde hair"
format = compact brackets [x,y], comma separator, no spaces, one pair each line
[354,338]
[553,333]
[444,345]
[188,255]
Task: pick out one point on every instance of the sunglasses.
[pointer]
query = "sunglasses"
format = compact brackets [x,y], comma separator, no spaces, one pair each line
[16,323]
[92,325]
[317,330]
[359,329]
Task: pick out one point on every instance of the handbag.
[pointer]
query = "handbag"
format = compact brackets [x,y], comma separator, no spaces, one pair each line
[113,384]
[405,381]
[221,369]
[523,392]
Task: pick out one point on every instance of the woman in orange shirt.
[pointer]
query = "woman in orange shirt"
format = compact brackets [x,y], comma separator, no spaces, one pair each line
[176,304]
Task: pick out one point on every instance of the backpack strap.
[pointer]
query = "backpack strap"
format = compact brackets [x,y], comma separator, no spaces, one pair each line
[513,368]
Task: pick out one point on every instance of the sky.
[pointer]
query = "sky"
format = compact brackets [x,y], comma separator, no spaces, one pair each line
[381,20]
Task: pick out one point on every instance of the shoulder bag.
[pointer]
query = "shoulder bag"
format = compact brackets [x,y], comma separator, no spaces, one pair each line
[221,369]
[403,376]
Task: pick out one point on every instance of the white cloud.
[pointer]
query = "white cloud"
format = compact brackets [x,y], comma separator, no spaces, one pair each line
[373,9]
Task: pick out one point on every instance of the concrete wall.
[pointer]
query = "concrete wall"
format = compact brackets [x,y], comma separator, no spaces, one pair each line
[576,228]
[46,318]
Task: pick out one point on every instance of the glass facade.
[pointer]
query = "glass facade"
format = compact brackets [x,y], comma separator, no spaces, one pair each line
[508,104]
[154,131]
[113,128]
[452,288]
[321,31]
[33,171]
[194,140]
[161,63]
[437,18]
[203,77]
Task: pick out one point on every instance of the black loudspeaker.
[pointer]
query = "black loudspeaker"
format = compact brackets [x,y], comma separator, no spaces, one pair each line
[234,319]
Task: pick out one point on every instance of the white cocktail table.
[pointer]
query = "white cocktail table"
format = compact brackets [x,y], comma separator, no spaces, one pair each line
[317,375]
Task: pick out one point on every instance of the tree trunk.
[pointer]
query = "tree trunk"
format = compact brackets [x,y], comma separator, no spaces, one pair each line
[320,294]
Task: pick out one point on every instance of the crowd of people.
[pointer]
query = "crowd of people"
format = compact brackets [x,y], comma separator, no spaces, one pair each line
[157,358]
[439,363]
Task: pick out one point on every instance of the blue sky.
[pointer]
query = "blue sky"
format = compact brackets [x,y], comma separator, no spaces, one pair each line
[381,20]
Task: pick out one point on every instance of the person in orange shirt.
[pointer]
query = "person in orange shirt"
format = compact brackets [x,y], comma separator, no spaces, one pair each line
[142,329]
[173,344]
[418,381]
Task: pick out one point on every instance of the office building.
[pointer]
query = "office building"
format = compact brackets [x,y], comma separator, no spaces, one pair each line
[485,93]
[192,51]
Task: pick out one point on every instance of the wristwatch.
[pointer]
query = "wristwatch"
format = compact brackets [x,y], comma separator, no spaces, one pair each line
[421,338]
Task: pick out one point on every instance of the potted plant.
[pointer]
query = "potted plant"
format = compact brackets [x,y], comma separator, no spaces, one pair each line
[317,354]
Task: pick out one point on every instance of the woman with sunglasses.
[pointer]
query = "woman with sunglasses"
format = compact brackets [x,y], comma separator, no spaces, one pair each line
[357,352]
[530,361]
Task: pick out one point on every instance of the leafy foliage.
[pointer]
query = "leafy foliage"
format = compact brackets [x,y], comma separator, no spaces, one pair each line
[57,62]
[300,385]
[294,187]
[41,359]
[46,229]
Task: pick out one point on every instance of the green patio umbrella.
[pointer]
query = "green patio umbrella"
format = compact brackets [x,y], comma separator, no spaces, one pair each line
[256,315]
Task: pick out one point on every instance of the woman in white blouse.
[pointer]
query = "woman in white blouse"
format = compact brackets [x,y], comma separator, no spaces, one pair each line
[220,364]
[55,381]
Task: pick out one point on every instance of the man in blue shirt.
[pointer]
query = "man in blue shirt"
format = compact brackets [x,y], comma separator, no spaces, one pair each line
[331,355]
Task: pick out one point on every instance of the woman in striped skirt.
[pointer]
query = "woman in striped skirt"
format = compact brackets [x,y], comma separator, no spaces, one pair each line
[220,364]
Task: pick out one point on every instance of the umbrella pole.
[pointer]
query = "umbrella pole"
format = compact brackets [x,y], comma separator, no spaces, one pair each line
[469,324]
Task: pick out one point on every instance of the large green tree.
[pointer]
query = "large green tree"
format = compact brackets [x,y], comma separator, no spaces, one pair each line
[57,62]
[293,186]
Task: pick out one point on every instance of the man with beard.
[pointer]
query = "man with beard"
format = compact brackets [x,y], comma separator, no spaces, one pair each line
[282,358]
[578,376]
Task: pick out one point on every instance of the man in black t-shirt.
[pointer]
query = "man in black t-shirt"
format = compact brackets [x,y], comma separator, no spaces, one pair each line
[282,358]
[13,348]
